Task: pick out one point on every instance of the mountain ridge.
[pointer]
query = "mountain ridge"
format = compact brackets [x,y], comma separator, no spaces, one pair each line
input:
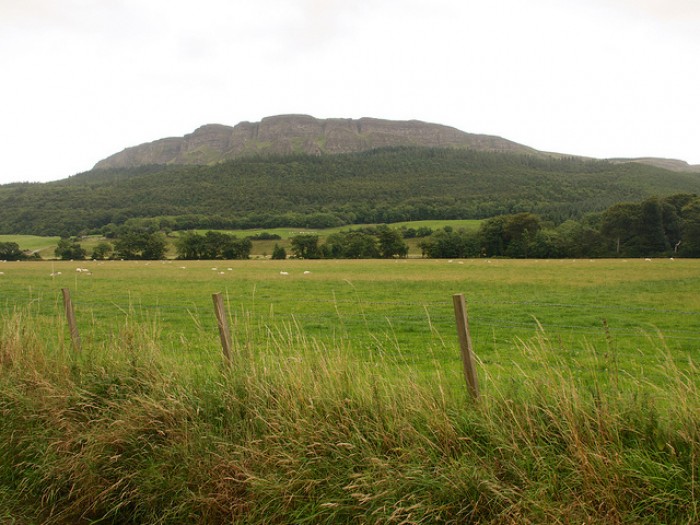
[297,133]
[288,134]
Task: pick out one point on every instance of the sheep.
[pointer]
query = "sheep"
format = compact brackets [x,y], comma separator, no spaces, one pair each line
[307,272]
[284,273]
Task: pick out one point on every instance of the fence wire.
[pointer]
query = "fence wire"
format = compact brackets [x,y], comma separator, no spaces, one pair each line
[402,318]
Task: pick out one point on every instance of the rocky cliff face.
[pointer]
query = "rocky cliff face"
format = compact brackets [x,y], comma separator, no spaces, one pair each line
[287,134]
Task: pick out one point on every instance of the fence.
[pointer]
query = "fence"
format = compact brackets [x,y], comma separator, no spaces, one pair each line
[408,321]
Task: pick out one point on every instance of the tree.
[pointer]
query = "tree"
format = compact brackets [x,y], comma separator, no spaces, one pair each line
[212,245]
[651,235]
[10,251]
[620,224]
[391,243]
[235,248]
[509,235]
[190,245]
[69,249]
[102,250]
[278,252]
[135,244]
[448,244]
[305,246]
[690,243]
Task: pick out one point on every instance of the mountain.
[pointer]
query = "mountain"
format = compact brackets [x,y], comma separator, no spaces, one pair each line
[383,185]
[296,170]
[291,134]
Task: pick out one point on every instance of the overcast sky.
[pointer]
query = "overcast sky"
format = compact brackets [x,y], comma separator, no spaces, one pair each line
[82,79]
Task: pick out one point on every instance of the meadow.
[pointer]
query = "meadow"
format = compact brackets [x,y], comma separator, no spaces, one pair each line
[345,401]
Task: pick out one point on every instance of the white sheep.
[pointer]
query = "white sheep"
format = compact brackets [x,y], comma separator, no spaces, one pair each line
[284,273]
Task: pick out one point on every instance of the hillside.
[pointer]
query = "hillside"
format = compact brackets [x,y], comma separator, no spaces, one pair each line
[293,134]
[379,186]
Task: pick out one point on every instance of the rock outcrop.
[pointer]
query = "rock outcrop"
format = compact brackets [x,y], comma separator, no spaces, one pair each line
[286,134]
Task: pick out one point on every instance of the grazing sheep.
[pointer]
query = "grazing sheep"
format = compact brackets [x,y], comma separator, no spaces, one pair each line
[284,273]
[307,272]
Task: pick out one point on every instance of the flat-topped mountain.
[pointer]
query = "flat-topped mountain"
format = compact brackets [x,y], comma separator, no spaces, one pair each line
[287,134]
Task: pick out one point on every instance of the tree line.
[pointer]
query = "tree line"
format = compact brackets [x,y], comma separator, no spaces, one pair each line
[653,227]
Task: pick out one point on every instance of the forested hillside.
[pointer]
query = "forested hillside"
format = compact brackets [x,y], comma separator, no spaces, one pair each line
[380,186]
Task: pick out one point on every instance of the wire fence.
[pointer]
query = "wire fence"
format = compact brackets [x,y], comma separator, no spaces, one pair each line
[406,320]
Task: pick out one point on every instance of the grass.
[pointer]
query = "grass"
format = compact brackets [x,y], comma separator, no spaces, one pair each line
[610,306]
[300,431]
[345,402]
[44,245]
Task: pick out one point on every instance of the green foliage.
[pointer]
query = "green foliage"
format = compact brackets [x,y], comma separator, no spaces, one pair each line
[305,246]
[690,243]
[450,244]
[135,244]
[391,244]
[69,249]
[212,245]
[381,186]
[264,236]
[351,245]
[279,253]
[102,251]
[10,251]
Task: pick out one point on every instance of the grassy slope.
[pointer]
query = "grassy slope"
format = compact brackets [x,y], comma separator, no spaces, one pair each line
[35,243]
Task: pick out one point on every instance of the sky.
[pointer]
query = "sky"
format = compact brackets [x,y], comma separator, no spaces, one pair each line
[83,79]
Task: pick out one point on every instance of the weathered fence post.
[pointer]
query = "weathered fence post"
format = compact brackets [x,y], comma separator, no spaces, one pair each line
[465,343]
[70,315]
[223,327]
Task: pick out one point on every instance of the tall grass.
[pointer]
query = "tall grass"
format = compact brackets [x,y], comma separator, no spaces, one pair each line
[300,431]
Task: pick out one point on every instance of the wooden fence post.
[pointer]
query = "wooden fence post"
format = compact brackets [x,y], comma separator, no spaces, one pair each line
[224,332]
[465,343]
[70,315]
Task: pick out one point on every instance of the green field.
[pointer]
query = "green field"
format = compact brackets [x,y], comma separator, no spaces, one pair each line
[345,401]
[595,310]
[35,243]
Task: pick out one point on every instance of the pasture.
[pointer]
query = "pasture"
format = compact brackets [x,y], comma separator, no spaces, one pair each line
[345,401]
[602,314]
